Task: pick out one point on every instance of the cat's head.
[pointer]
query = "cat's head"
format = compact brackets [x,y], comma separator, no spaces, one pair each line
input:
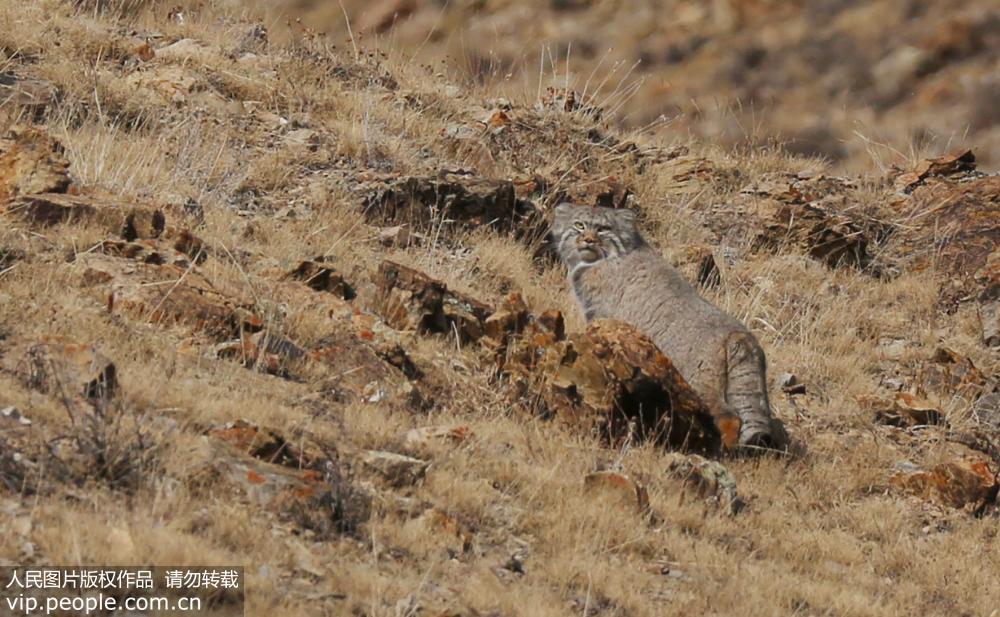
[582,234]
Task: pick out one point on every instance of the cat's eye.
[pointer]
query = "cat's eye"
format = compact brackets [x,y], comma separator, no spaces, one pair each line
[579,226]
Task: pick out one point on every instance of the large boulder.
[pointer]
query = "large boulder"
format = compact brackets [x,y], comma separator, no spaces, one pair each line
[612,380]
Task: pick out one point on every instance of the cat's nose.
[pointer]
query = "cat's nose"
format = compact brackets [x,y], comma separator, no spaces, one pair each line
[588,237]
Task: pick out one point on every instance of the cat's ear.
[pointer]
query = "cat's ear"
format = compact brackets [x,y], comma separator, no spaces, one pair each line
[626,216]
[563,210]
[562,215]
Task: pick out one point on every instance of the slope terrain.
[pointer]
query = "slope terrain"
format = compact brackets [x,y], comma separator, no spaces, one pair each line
[862,84]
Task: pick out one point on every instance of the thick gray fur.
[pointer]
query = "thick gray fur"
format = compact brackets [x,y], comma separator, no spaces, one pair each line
[615,274]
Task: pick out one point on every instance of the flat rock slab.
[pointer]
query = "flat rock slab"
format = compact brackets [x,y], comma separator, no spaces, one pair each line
[325,502]
[949,222]
[428,204]
[269,444]
[359,358]
[33,94]
[136,279]
[613,380]
[954,228]
[127,220]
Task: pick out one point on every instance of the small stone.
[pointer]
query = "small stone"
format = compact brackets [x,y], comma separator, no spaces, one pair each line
[619,485]
[905,410]
[421,439]
[144,52]
[14,414]
[891,348]
[306,140]
[321,276]
[892,383]
[398,236]
[191,245]
[397,469]
[790,384]
[515,564]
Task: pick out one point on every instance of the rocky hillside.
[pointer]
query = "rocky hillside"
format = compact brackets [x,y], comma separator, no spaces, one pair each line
[288,305]
[863,84]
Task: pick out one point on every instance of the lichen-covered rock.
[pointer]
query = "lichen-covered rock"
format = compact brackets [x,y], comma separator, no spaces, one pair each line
[903,410]
[509,320]
[311,493]
[408,299]
[949,373]
[34,95]
[968,484]
[710,479]
[612,380]
[953,163]
[397,469]
[421,441]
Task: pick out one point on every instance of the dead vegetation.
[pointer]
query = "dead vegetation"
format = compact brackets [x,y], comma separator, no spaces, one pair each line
[204,362]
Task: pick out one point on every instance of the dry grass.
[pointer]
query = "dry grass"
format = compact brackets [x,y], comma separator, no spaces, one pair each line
[822,534]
